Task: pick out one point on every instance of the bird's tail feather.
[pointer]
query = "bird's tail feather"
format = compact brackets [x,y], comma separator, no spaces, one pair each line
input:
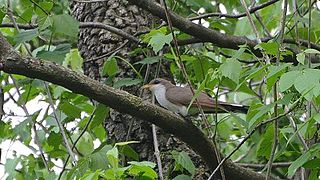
[225,108]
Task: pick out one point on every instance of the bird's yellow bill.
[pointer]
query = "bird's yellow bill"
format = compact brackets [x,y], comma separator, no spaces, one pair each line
[147,86]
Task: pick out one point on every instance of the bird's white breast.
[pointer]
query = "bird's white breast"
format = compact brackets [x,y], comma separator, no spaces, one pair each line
[159,91]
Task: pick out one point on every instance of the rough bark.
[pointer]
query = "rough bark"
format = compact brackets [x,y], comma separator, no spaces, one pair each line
[96,42]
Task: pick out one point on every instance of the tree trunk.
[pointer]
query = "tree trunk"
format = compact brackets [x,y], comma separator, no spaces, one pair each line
[93,43]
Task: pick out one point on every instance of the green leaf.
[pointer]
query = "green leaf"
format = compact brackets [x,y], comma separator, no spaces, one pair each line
[54,139]
[231,69]
[256,72]
[129,152]
[143,163]
[149,60]
[80,169]
[143,169]
[5,130]
[264,148]
[254,116]
[100,115]
[91,175]
[287,80]
[200,67]
[312,164]
[10,167]
[65,24]
[112,156]
[307,81]
[274,73]
[241,28]
[23,130]
[74,59]
[301,58]
[184,160]
[316,90]
[99,132]
[26,35]
[148,36]
[125,82]
[270,47]
[110,67]
[311,51]
[158,40]
[317,117]
[70,110]
[45,6]
[25,16]
[30,93]
[303,159]
[56,54]
[98,159]
[182,177]
[85,144]
[2,15]
[115,174]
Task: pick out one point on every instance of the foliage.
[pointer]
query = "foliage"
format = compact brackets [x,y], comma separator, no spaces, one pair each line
[239,74]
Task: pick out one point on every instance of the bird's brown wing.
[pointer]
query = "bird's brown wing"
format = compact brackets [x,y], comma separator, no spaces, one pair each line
[183,96]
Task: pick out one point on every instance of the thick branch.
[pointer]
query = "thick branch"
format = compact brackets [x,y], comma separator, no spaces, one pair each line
[196,30]
[202,33]
[12,62]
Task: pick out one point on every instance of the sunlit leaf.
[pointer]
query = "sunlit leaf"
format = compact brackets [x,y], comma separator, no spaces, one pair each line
[158,40]
[112,156]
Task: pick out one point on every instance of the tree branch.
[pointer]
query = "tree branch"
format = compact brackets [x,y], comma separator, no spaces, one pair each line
[202,33]
[251,10]
[12,62]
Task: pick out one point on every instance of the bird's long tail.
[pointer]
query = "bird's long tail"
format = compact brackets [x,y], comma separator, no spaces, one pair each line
[222,107]
[237,108]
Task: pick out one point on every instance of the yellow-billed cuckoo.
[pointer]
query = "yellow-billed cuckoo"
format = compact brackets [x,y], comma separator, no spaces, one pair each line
[177,99]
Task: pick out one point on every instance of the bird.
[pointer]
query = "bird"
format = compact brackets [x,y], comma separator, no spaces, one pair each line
[177,99]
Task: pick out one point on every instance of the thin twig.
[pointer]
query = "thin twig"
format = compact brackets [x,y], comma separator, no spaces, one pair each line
[1,103]
[260,166]
[65,139]
[252,10]
[309,103]
[76,141]
[275,94]
[156,151]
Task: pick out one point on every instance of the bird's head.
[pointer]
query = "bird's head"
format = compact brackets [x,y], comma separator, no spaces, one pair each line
[157,83]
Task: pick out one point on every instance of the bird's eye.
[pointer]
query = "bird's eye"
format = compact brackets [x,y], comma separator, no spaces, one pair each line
[156,81]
